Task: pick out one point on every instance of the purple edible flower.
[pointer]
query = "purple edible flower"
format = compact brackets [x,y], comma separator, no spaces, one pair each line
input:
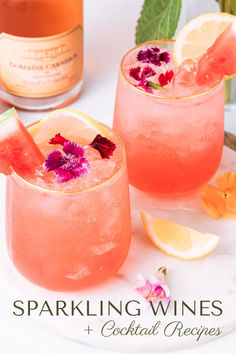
[146,56]
[153,56]
[71,164]
[164,56]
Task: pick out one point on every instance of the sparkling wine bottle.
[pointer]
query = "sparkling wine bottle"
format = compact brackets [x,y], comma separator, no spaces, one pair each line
[41,52]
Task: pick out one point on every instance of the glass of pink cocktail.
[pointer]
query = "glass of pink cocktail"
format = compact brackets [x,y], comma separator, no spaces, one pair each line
[173,128]
[65,236]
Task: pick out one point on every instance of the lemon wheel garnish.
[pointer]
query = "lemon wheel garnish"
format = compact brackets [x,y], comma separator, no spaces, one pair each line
[199,34]
[69,123]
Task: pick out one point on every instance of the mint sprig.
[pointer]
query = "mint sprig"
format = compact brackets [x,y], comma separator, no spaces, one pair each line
[158,20]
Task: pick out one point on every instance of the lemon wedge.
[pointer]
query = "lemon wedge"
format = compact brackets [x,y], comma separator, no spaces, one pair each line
[176,240]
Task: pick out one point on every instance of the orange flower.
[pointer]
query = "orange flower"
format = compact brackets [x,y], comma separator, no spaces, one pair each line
[221,200]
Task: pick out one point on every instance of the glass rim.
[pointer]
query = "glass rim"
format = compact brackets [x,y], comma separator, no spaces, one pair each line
[68,192]
[159,96]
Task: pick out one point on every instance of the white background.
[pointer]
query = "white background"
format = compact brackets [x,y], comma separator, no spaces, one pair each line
[109,33]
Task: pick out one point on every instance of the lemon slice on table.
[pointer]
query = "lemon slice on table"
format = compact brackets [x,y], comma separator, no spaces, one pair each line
[176,240]
[68,122]
[200,34]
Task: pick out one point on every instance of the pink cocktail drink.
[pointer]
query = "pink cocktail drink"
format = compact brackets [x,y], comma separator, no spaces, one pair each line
[75,234]
[173,131]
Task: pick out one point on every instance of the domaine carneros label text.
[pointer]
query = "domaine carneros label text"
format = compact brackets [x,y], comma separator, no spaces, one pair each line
[42,67]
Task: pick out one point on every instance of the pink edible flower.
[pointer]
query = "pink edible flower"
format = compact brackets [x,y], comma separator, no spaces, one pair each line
[148,72]
[71,164]
[104,146]
[138,75]
[153,56]
[155,288]
[164,79]
[142,76]
[134,73]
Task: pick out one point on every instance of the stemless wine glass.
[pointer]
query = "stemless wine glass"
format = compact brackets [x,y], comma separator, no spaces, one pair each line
[66,240]
[173,144]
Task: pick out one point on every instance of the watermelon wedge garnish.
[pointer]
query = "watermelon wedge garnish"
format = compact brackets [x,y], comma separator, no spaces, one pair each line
[220,58]
[209,40]
[18,151]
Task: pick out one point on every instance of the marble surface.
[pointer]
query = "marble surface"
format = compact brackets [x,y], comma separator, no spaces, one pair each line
[212,277]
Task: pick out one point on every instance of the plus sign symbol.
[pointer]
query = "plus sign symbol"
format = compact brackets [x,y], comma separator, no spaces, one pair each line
[89,329]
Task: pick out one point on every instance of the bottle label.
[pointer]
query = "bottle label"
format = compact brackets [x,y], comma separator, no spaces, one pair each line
[41,67]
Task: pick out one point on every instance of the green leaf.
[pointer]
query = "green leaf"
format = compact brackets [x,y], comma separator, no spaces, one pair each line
[228,6]
[154,85]
[233,6]
[158,20]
